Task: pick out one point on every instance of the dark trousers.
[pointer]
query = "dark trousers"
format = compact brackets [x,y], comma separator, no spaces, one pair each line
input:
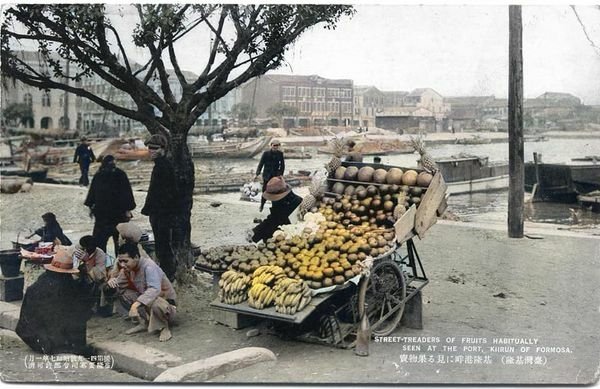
[162,228]
[84,179]
[103,231]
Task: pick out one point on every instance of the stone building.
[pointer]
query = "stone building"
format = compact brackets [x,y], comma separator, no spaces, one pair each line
[368,101]
[52,109]
[422,109]
[319,101]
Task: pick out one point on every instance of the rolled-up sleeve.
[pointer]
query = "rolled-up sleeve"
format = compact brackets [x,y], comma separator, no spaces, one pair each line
[153,279]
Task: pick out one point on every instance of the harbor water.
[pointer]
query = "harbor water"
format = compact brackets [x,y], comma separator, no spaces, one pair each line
[480,207]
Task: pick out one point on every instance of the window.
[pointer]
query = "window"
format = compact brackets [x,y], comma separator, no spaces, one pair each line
[319,92]
[288,91]
[27,99]
[303,91]
[46,100]
[46,122]
[346,107]
[347,93]
[333,92]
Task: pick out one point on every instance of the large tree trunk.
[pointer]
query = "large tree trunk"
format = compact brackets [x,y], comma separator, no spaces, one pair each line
[184,172]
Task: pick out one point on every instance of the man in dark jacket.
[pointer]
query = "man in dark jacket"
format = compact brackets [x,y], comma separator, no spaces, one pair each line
[162,204]
[353,155]
[84,156]
[111,201]
[274,165]
[284,201]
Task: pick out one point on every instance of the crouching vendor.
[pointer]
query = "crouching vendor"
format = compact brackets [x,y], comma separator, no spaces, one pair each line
[145,291]
[283,203]
[95,266]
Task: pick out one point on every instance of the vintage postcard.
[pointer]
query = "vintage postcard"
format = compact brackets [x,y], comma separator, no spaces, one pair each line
[300,193]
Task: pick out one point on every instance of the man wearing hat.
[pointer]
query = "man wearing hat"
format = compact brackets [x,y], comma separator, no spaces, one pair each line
[162,203]
[110,200]
[272,165]
[284,202]
[55,309]
[84,156]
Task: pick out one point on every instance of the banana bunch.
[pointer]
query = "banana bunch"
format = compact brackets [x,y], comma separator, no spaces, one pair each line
[260,296]
[233,286]
[291,295]
[267,275]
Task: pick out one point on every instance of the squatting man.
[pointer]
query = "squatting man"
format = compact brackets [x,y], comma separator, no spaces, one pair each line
[145,291]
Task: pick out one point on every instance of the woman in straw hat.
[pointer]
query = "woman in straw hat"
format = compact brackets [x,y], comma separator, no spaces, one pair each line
[283,201]
[55,310]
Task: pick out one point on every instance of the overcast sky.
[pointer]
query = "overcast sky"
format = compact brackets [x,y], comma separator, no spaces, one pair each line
[454,49]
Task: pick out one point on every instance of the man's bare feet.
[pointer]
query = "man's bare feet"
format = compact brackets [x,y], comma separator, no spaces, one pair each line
[136,329]
[165,334]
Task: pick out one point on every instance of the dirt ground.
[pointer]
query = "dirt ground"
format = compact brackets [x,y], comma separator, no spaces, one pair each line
[482,285]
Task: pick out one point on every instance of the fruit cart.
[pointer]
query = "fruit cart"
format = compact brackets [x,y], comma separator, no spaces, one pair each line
[380,293]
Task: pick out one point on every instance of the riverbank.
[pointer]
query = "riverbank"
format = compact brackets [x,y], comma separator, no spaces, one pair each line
[483,286]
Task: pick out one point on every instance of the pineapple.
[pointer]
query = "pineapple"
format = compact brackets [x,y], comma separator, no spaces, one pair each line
[400,208]
[427,161]
[316,190]
[337,145]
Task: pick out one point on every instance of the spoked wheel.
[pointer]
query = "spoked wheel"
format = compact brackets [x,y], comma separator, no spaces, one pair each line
[384,292]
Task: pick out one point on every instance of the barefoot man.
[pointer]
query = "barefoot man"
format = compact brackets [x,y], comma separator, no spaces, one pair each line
[145,291]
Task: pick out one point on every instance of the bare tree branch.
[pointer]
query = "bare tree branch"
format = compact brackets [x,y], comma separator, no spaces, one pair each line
[585,30]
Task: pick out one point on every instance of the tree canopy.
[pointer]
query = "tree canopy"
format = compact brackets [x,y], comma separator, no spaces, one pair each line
[247,41]
[279,110]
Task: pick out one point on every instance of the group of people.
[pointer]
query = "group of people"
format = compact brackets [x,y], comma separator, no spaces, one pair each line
[84,278]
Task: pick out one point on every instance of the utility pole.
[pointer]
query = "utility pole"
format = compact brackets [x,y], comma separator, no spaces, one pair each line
[516,167]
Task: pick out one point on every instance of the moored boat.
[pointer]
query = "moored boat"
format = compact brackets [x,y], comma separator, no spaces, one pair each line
[469,174]
[561,182]
[228,149]
[372,147]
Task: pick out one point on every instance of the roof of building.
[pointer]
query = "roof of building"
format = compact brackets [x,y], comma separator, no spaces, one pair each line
[361,90]
[302,78]
[557,96]
[467,100]
[421,91]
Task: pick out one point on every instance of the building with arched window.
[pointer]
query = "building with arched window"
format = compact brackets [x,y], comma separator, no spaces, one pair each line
[47,113]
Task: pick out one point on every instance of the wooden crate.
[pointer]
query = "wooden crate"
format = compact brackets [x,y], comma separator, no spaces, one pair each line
[233,319]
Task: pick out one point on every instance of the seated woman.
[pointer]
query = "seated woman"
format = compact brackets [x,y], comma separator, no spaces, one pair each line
[55,310]
[283,203]
[51,231]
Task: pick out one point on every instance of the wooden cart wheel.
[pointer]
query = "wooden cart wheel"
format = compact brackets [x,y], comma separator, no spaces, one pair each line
[384,292]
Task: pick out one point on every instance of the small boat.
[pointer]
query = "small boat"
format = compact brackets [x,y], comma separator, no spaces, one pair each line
[372,147]
[474,140]
[587,158]
[590,200]
[561,182]
[296,154]
[228,149]
[469,174]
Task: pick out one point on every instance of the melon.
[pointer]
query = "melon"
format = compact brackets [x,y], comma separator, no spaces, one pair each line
[349,190]
[365,174]
[409,177]
[424,179]
[379,176]
[339,172]
[338,188]
[351,173]
[394,176]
